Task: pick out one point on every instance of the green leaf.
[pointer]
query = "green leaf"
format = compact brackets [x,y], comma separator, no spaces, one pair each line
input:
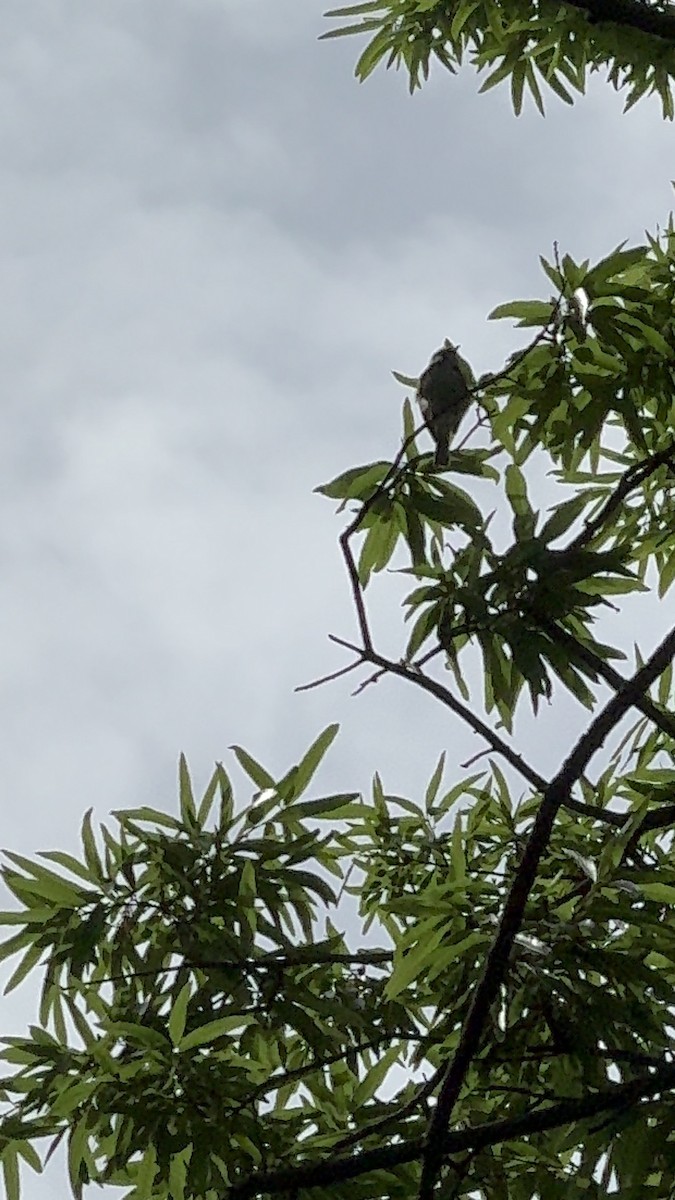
[77,1149]
[91,854]
[457,852]
[518,74]
[309,764]
[10,1171]
[152,815]
[358,483]
[380,542]
[353,10]
[145,1175]
[178,1173]
[527,312]
[13,944]
[248,889]
[69,862]
[463,13]
[327,805]
[178,1014]
[213,1030]
[346,30]
[411,966]
[139,1035]
[226,807]
[206,803]
[553,273]
[463,788]
[425,624]
[662,892]
[562,517]
[524,518]
[258,774]
[455,507]
[46,883]
[410,381]
[434,783]
[30,1155]
[29,960]
[375,1076]
[188,809]
[614,264]
[666,574]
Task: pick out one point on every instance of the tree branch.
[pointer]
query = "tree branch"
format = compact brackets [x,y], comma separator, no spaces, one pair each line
[339,1169]
[496,962]
[275,960]
[436,689]
[631,478]
[307,687]
[424,1091]
[664,720]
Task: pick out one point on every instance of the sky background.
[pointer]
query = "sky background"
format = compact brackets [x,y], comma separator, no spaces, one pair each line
[215,245]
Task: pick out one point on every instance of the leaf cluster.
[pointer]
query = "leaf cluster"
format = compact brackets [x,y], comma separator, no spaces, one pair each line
[529,43]
[596,401]
[197,1032]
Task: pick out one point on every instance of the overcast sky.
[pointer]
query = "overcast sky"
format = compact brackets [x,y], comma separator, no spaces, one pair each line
[215,246]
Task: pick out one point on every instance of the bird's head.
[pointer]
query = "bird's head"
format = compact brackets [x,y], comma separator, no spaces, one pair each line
[447,350]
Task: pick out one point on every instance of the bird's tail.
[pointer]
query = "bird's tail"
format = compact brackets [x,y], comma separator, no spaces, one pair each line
[442,455]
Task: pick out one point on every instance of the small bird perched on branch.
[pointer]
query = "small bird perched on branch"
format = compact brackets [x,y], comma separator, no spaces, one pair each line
[443,396]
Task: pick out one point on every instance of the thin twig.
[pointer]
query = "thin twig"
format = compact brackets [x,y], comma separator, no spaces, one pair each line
[307,687]
[469,762]
[275,960]
[366,682]
[423,1092]
[631,478]
[436,689]
[298,1074]
[420,662]
[357,590]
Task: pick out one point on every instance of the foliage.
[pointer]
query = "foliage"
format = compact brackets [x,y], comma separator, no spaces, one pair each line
[198,1030]
[528,42]
[205,1028]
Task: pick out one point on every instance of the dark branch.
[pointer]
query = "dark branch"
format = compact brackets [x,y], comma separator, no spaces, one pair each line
[664,720]
[339,1169]
[276,960]
[630,14]
[496,962]
[299,1074]
[631,478]
[424,1091]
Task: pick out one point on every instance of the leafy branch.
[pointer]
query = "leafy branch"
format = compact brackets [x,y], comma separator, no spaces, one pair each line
[496,961]
[338,1169]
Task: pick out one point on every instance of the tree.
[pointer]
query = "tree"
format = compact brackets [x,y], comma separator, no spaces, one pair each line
[207,1029]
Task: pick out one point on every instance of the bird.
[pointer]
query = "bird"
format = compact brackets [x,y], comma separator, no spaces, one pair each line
[443,394]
